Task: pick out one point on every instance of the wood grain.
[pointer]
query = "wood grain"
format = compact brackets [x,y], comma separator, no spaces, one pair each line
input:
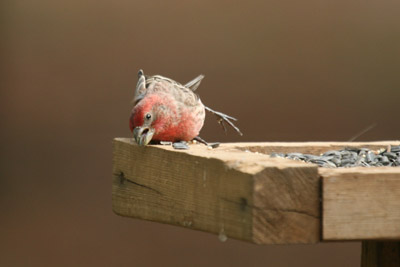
[225,191]
[287,202]
[361,203]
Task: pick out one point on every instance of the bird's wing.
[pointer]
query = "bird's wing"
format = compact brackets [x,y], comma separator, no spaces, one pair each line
[163,84]
[140,88]
[194,84]
[161,79]
[148,83]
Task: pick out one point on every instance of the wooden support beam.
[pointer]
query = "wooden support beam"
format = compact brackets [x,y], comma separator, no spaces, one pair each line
[380,254]
[226,191]
[361,203]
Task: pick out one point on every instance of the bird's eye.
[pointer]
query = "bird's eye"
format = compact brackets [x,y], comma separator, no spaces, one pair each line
[148,116]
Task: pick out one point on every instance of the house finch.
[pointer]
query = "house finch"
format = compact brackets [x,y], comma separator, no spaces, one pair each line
[165,110]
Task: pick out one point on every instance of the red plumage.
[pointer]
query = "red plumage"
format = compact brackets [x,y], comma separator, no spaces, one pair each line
[165,110]
[176,112]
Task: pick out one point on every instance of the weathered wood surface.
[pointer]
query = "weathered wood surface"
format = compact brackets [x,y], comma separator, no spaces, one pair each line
[235,190]
[225,191]
[361,203]
[380,254]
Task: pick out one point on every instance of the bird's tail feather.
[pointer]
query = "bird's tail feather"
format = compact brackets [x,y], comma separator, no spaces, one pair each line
[194,84]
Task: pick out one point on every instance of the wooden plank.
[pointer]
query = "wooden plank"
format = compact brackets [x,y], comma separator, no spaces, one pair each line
[235,190]
[315,148]
[225,191]
[380,254]
[361,203]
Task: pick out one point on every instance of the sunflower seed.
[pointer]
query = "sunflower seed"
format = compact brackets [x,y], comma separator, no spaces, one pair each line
[180,145]
[349,157]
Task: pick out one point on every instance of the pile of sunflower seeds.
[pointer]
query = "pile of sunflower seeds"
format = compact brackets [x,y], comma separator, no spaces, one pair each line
[349,157]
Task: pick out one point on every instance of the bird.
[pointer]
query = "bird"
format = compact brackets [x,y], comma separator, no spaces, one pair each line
[167,111]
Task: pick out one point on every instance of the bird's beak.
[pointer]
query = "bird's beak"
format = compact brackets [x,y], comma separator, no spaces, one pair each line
[143,135]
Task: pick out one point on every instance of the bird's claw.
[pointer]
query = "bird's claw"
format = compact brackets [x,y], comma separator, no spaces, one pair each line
[204,142]
[223,118]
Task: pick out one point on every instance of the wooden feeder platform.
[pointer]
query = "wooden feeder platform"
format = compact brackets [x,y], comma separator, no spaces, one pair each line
[238,191]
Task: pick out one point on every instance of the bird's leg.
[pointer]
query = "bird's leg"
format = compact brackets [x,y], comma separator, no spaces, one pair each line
[201,140]
[222,118]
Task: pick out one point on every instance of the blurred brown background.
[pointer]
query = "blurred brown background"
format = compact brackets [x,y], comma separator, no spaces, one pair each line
[288,70]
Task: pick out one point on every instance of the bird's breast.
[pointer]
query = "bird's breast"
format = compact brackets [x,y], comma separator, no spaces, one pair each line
[184,126]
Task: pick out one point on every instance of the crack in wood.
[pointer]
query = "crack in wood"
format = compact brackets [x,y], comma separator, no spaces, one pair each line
[243,204]
[300,212]
[122,178]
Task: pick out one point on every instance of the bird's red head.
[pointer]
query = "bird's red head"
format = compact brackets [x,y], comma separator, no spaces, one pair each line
[150,118]
[137,116]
